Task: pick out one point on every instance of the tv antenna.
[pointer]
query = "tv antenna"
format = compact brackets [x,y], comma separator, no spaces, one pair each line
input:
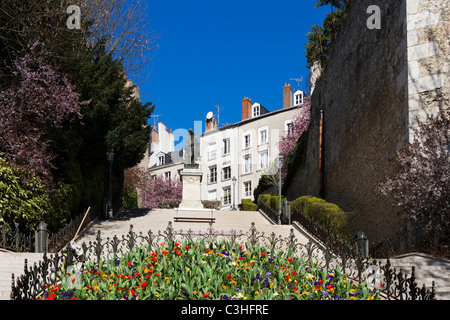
[218,113]
[155,117]
[298,81]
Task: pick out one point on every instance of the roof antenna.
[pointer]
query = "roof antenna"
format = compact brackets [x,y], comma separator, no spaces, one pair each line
[218,113]
[155,117]
[298,81]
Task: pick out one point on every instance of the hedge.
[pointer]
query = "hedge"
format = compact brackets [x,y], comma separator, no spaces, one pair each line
[324,213]
[248,205]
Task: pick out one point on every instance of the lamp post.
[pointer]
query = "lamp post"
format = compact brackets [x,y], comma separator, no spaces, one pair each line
[110,158]
[280,165]
[234,192]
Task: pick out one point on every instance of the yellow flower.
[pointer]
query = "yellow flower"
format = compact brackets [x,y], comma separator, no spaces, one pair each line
[104,276]
[256,292]
[224,287]
[195,292]
[305,293]
[271,285]
[157,293]
[352,298]
[352,291]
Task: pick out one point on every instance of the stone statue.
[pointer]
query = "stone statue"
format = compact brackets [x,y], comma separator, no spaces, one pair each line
[191,151]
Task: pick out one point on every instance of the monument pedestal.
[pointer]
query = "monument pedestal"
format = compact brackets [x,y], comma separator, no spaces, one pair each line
[191,179]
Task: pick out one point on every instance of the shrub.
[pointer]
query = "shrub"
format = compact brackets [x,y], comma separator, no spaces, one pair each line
[211,204]
[23,198]
[129,198]
[248,205]
[327,214]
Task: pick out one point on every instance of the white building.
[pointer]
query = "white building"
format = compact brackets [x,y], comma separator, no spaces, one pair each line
[244,149]
[162,157]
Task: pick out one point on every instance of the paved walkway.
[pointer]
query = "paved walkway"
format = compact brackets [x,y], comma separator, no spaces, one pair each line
[158,220]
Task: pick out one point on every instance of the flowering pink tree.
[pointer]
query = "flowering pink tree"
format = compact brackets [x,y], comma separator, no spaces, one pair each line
[39,99]
[159,192]
[299,125]
[420,187]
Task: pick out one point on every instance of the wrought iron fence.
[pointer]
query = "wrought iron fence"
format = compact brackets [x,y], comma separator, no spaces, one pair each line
[14,240]
[393,285]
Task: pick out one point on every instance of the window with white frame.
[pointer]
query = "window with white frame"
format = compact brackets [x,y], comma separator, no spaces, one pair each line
[248,163]
[211,151]
[298,98]
[262,135]
[167,175]
[256,110]
[226,173]
[247,140]
[226,146]
[212,176]
[289,127]
[161,160]
[263,159]
[247,189]
[226,195]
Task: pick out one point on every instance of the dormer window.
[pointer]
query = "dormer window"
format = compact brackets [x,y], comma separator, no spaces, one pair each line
[161,160]
[298,98]
[256,110]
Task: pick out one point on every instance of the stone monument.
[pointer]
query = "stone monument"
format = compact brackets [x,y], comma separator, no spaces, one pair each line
[191,176]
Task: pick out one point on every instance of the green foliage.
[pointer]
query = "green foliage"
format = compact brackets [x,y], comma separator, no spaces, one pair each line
[321,38]
[23,198]
[248,205]
[130,198]
[327,214]
[263,184]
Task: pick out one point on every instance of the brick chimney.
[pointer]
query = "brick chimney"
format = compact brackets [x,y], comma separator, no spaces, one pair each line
[155,135]
[246,108]
[287,95]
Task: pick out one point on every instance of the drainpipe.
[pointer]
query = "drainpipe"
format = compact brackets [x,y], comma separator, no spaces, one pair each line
[321,158]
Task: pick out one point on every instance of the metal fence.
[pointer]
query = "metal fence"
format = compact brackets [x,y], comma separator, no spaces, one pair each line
[14,240]
[394,285]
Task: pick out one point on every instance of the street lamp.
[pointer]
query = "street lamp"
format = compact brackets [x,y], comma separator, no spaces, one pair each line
[280,165]
[110,158]
[234,192]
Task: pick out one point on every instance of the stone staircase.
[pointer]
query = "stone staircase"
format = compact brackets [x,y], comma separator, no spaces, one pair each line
[427,269]
[12,262]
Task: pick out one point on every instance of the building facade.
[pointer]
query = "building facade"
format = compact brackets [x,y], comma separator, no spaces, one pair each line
[233,157]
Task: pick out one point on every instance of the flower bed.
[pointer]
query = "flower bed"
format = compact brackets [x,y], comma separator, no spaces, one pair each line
[195,270]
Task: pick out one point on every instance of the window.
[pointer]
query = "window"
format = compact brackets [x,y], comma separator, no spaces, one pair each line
[256,110]
[167,175]
[264,159]
[212,178]
[161,160]
[227,196]
[212,195]
[247,141]
[248,163]
[262,136]
[298,98]
[289,127]
[226,173]
[226,146]
[247,189]
[211,151]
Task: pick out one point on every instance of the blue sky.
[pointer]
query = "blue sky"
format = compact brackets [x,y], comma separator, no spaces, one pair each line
[218,52]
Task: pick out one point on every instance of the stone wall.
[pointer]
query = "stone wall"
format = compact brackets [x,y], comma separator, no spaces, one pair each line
[363,96]
[428,34]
